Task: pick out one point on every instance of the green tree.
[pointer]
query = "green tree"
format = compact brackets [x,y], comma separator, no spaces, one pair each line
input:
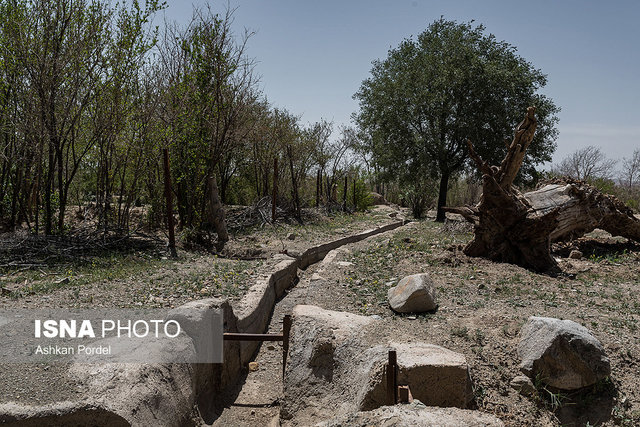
[450,84]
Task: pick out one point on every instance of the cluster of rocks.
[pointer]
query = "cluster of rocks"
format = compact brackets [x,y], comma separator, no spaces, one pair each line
[336,366]
[560,353]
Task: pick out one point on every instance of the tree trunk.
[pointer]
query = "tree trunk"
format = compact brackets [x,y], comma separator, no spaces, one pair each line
[518,229]
[442,197]
[217,214]
[582,208]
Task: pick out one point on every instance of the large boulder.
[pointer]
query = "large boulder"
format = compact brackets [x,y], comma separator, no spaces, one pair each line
[415,415]
[435,375]
[322,364]
[336,366]
[414,294]
[378,199]
[561,353]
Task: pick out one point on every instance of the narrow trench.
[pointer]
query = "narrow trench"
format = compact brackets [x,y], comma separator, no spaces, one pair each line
[256,397]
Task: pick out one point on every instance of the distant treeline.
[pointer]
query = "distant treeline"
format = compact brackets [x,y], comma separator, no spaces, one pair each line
[91,92]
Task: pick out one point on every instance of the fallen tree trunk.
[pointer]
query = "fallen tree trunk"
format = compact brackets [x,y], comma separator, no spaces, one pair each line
[583,208]
[518,228]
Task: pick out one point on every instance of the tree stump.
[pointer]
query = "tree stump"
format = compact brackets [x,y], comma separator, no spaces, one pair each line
[519,228]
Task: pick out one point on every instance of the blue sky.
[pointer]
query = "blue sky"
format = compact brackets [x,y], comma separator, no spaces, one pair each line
[313,55]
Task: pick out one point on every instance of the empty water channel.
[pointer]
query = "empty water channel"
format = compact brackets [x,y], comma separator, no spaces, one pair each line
[255,399]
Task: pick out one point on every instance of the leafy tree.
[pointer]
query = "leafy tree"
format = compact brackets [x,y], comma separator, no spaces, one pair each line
[452,83]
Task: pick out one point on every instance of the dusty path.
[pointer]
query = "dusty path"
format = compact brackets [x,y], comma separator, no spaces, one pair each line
[256,400]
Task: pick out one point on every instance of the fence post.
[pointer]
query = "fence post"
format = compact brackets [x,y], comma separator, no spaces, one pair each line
[355,201]
[344,195]
[275,189]
[318,188]
[167,195]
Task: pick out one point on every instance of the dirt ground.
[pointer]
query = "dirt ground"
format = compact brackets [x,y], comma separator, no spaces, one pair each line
[482,306]
[38,272]
[78,273]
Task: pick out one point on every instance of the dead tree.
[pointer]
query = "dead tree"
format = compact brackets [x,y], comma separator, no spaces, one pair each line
[519,228]
[217,214]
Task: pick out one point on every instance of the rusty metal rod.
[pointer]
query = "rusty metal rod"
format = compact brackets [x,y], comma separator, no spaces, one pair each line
[392,381]
[234,336]
[286,329]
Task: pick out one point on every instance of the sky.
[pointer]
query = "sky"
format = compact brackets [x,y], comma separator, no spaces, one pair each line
[312,56]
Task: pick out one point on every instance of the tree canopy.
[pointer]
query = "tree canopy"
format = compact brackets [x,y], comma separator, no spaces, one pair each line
[452,83]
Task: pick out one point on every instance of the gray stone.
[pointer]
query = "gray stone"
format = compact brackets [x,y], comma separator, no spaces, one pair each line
[414,294]
[575,254]
[378,199]
[435,375]
[336,365]
[561,353]
[523,385]
[324,358]
[415,415]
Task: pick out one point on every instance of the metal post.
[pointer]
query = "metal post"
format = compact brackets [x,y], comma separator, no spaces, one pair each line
[286,329]
[392,386]
[167,195]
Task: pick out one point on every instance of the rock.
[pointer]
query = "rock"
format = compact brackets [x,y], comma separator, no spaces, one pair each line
[253,366]
[523,385]
[316,276]
[321,362]
[562,353]
[575,254]
[291,236]
[63,281]
[414,294]
[415,414]
[378,199]
[435,375]
[336,366]
[345,263]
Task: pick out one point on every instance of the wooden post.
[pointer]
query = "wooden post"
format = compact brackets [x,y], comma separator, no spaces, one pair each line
[167,195]
[392,386]
[344,196]
[318,188]
[355,200]
[275,189]
[286,329]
